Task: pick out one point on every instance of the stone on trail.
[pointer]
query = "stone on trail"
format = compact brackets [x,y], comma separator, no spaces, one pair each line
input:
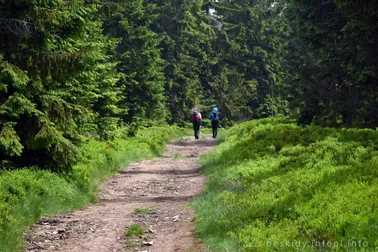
[149,243]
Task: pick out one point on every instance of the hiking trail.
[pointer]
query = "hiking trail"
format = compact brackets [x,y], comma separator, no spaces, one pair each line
[161,186]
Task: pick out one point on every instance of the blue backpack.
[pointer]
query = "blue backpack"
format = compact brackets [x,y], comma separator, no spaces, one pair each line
[214,114]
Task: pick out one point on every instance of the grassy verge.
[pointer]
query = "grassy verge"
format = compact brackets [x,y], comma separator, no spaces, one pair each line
[277,187]
[28,194]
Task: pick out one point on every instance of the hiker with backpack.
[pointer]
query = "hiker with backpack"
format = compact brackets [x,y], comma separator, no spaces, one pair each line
[214,117]
[196,119]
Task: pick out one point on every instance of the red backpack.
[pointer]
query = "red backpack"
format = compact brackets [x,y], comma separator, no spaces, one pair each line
[195,115]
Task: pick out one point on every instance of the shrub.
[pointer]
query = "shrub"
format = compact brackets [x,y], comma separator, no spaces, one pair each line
[274,183]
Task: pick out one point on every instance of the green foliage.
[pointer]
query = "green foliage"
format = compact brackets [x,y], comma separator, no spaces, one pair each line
[334,72]
[53,70]
[27,194]
[134,230]
[185,36]
[139,60]
[82,67]
[248,70]
[9,140]
[273,182]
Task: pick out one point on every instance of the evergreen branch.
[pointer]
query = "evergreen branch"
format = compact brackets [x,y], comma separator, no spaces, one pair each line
[16,27]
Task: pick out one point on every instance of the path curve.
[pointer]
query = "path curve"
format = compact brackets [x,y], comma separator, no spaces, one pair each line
[164,185]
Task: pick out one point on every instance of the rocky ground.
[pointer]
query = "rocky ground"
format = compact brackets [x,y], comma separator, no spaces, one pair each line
[153,193]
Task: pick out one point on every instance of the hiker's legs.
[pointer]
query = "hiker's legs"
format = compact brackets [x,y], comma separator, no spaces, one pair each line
[196,132]
[196,127]
[214,126]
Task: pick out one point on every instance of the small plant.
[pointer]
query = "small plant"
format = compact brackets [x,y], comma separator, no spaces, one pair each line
[134,230]
[177,156]
[133,235]
[142,210]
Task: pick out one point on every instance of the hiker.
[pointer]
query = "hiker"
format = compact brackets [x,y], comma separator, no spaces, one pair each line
[196,119]
[214,117]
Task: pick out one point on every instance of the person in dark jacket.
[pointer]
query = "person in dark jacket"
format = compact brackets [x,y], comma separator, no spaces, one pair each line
[214,117]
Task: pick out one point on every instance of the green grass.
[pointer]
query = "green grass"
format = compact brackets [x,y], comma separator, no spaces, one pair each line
[135,235]
[29,193]
[142,210]
[134,230]
[177,156]
[273,183]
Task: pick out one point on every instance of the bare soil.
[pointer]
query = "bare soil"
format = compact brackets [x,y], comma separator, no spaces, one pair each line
[162,187]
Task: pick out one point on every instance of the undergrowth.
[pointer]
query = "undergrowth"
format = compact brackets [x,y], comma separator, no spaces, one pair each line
[277,187]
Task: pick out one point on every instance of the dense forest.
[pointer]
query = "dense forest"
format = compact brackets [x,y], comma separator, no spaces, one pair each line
[88,67]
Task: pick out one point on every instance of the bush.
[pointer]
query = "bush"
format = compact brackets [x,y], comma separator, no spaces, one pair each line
[274,183]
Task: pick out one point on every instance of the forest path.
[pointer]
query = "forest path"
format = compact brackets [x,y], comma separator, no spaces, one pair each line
[163,185]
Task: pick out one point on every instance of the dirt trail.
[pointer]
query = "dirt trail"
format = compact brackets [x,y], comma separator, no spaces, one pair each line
[164,185]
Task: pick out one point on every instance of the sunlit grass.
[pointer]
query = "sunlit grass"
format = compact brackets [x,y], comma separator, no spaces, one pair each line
[272,181]
[134,230]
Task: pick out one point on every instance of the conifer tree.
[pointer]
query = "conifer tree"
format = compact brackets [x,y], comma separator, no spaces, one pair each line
[249,70]
[139,60]
[184,32]
[335,68]
[50,75]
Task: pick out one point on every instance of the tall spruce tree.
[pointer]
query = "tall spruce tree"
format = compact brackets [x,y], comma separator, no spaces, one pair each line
[337,72]
[250,46]
[51,73]
[184,31]
[139,60]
